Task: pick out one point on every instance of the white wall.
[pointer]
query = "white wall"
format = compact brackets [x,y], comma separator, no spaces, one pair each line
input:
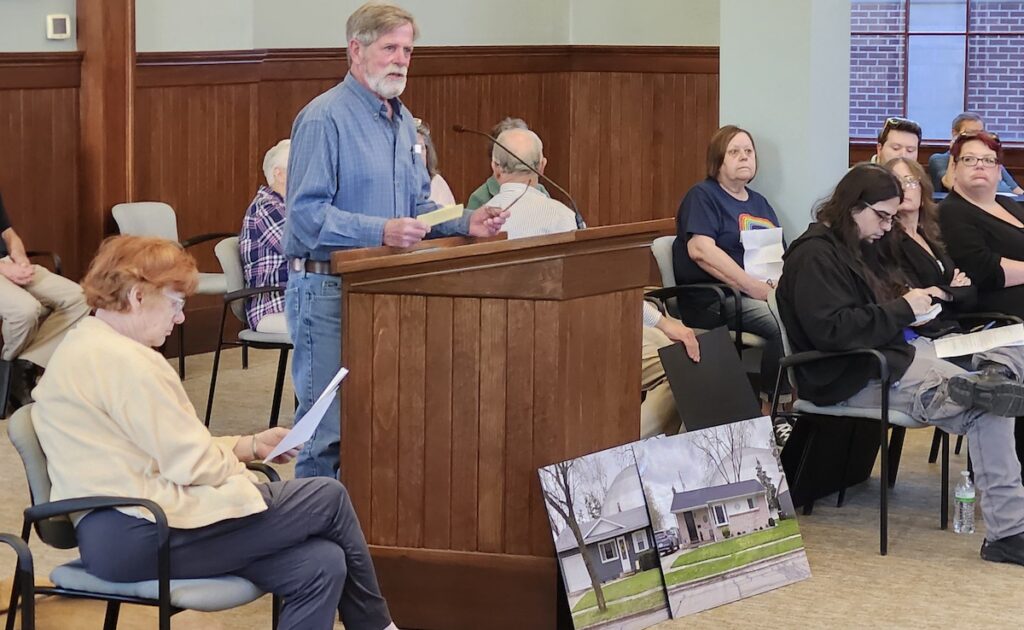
[163,25]
[645,22]
[785,76]
[166,25]
[23,25]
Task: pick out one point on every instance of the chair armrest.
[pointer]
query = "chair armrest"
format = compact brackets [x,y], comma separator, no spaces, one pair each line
[811,356]
[202,238]
[246,293]
[721,291]
[1001,318]
[264,469]
[21,550]
[54,259]
[64,507]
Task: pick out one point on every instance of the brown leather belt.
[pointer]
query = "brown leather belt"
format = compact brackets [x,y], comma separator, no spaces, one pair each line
[310,266]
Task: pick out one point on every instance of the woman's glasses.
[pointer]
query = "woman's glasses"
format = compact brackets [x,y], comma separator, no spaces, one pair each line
[970,161]
[883,217]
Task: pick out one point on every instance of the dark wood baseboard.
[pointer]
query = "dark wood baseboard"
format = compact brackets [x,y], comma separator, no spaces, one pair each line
[455,590]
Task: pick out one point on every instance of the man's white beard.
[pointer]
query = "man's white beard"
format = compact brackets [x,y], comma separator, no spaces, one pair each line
[385,86]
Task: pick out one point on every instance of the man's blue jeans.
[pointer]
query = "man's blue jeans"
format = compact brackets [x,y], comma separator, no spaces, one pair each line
[313,311]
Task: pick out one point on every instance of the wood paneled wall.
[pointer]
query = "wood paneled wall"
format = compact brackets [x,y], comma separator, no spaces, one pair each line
[624,128]
[39,120]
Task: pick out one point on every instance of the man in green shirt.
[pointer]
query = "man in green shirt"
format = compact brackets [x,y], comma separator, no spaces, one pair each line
[491,187]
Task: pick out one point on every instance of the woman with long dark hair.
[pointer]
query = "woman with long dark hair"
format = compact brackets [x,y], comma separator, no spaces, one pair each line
[830,300]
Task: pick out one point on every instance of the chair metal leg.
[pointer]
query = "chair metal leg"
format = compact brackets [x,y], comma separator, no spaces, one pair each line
[110,620]
[275,613]
[245,356]
[181,351]
[22,585]
[895,452]
[883,451]
[944,510]
[216,366]
[933,452]
[6,367]
[282,366]
[959,443]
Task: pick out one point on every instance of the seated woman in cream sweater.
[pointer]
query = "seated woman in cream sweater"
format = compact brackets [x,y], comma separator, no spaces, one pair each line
[114,419]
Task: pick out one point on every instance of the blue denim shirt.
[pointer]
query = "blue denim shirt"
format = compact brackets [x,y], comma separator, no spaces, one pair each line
[350,169]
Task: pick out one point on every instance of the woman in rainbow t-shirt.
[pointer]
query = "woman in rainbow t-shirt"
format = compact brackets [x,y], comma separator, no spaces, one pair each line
[708,246]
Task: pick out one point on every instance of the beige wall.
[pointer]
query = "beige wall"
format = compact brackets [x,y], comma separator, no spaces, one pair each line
[645,22]
[242,24]
[23,25]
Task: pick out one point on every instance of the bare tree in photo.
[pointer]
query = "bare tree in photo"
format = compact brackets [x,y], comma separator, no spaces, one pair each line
[658,519]
[722,447]
[560,484]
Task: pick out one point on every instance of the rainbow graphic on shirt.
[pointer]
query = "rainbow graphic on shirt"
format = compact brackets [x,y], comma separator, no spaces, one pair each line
[750,222]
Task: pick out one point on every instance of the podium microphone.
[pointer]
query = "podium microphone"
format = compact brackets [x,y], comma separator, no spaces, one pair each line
[547,180]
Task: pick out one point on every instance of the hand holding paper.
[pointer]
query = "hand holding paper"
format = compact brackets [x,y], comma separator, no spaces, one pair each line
[762,253]
[446,213]
[304,427]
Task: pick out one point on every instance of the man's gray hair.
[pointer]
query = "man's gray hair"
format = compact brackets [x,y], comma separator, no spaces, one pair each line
[276,157]
[373,19]
[509,164]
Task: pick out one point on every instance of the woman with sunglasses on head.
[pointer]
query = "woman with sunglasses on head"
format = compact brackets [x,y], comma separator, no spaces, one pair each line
[985,232]
[831,301]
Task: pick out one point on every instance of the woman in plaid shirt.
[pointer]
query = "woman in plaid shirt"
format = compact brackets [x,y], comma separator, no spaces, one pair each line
[263,261]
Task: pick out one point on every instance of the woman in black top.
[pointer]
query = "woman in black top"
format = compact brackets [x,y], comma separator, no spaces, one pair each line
[985,232]
[829,300]
[916,249]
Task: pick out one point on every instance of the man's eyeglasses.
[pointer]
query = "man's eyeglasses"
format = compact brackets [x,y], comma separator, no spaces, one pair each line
[910,182]
[883,217]
[971,161]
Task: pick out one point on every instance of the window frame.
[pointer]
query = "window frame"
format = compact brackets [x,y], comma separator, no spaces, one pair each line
[615,548]
[905,34]
[714,515]
[643,537]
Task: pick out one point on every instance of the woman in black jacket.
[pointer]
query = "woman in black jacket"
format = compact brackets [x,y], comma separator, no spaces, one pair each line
[830,300]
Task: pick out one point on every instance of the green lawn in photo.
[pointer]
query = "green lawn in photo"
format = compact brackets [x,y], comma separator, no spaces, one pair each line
[742,558]
[614,611]
[632,585]
[727,547]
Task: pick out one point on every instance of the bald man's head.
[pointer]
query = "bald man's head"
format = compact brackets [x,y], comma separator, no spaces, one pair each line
[523,143]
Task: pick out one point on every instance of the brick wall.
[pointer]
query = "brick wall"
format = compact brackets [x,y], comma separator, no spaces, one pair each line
[876,82]
[995,65]
[994,88]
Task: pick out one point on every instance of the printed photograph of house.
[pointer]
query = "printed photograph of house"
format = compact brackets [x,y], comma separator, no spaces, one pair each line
[723,519]
[604,541]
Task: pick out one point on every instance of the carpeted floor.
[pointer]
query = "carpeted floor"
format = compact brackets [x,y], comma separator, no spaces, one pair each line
[930,579]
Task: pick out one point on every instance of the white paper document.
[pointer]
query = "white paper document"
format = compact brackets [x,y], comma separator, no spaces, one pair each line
[928,315]
[303,429]
[971,343]
[762,253]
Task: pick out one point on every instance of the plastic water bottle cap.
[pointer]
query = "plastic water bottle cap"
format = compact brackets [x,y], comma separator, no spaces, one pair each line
[965,473]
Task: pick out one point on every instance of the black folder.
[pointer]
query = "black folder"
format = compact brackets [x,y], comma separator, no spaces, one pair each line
[715,391]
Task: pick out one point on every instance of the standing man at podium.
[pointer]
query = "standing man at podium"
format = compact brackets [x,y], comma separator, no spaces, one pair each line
[354,180]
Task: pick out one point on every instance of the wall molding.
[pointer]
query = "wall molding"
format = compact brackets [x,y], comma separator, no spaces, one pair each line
[164,69]
[20,71]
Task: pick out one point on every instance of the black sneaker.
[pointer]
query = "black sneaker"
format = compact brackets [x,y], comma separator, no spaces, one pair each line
[1009,549]
[989,391]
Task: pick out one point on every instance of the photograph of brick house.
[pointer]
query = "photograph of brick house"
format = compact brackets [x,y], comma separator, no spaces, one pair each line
[708,515]
[723,490]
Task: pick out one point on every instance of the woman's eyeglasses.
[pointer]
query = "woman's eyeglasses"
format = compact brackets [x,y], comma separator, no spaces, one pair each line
[971,161]
[910,182]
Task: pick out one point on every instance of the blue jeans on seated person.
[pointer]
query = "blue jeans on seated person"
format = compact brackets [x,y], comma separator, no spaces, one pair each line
[312,306]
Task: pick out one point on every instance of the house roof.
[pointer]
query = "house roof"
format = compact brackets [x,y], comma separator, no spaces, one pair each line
[690,499]
[603,528]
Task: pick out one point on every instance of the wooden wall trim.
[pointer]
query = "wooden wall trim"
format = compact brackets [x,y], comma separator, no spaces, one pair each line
[252,66]
[20,71]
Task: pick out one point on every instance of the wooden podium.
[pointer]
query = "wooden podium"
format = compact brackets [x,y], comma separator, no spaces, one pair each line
[472,364]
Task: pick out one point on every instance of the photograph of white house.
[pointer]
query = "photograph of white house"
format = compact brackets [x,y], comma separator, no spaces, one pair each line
[604,541]
[720,509]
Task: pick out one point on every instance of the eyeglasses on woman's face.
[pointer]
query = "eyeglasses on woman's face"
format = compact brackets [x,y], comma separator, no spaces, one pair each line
[970,161]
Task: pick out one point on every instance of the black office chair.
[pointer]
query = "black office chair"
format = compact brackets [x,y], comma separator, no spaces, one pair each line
[23,583]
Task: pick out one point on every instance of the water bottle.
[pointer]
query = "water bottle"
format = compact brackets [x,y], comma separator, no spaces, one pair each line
[963,505]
